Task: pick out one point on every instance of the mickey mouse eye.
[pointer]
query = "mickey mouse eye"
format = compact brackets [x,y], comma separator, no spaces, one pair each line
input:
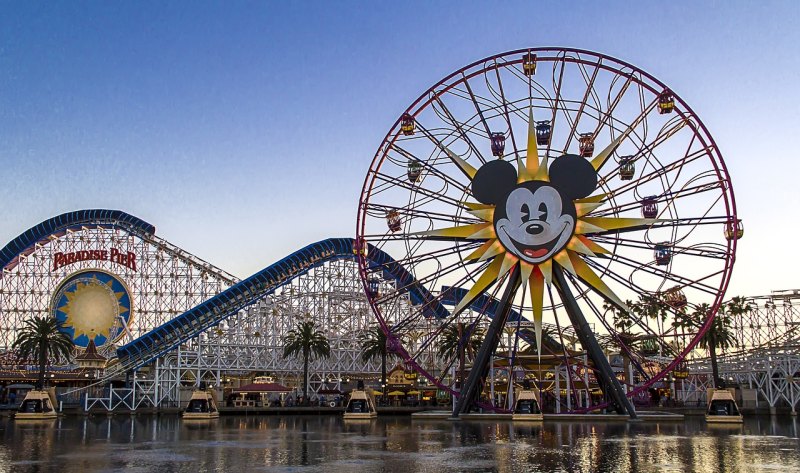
[543,211]
[526,212]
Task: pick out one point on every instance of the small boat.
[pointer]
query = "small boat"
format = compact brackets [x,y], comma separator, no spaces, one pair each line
[37,405]
[722,407]
[202,405]
[360,406]
[527,406]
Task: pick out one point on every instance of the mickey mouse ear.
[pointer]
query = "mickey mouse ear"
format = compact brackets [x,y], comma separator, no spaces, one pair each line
[574,176]
[494,181]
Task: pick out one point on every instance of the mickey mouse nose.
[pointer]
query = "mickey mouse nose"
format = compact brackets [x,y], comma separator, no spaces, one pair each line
[534,228]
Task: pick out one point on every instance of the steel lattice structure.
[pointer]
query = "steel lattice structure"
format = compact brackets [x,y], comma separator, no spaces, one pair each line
[251,341]
[771,321]
[165,282]
[766,357]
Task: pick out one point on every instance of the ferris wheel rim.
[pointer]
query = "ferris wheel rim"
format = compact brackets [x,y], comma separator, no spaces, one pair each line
[713,152]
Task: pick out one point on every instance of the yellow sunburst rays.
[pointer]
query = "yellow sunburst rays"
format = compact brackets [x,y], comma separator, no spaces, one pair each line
[90,309]
[571,258]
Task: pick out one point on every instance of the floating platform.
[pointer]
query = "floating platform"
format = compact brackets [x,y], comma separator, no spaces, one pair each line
[722,408]
[202,406]
[38,405]
[526,407]
[360,406]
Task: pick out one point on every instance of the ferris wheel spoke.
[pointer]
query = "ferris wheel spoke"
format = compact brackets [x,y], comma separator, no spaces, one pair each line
[604,272]
[379,209]
[664,171]
[421,200]
[589,88]
[434,170]
[467,169]
[477,106]
[649,149]
[668,197]
[505,110]
[661,223]
[557,99]
[667,275]
[460,129]
[704,252]
[417,258]
[395,182]
[608,114]
[425,282]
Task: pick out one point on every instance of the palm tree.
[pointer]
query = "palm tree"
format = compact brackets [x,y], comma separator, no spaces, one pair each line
[736,307]
[623,324]
[451,339]
[651,307]
[373,344]
[305,339]
[718,335]
[41,338]
[461,340]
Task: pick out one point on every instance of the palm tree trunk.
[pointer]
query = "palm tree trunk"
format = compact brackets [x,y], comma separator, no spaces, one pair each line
[42,365]
[712,351]
[461,355]
[305,376]
[383,374]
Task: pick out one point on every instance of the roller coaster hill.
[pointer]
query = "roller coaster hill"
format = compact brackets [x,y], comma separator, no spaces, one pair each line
[185,321]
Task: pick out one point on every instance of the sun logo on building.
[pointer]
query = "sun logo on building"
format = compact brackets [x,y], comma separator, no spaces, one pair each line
[534,216]
[93,305]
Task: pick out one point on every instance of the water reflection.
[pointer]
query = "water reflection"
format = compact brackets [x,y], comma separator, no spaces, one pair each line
[330,444]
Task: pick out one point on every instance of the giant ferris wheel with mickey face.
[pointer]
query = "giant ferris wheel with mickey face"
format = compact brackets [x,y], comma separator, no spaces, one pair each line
[551,201]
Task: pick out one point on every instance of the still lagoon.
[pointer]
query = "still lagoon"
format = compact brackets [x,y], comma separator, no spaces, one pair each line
[239,444]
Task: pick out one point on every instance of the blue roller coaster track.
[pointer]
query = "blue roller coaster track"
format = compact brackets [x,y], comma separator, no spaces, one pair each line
[191,323]
[68,221]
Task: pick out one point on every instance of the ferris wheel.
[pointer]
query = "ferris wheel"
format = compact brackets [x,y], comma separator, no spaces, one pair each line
[540,196]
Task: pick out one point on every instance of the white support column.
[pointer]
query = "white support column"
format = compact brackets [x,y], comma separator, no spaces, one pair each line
[133,392]
[586,380]
[557,390]
[630,377]
[491,380]
[568,380]
[157,387]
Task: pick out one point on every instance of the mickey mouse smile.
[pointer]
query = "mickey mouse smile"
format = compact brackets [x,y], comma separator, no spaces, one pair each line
[532,254]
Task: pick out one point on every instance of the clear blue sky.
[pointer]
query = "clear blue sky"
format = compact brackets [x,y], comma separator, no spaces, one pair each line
[243,130]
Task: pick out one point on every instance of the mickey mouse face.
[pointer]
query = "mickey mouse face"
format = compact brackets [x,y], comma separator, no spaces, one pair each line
[534,220]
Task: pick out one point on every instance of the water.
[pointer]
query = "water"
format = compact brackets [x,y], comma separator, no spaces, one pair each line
[241,444]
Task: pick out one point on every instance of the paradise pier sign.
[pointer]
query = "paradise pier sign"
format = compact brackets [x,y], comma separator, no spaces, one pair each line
[125,258]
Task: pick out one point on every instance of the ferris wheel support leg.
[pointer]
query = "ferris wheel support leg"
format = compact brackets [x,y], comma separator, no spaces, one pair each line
[471,390]
[589,342]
